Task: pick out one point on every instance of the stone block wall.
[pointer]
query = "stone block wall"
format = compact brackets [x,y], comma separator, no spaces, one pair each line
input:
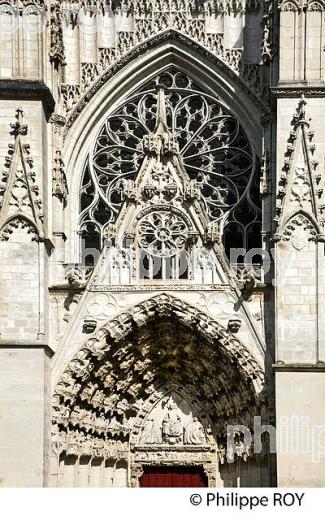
[302,38]
[22,42]
[20,284]
[297,303]
[24,415]
[300,427]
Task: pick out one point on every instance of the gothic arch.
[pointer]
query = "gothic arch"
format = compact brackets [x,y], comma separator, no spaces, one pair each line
[114,90]
[314,5]
[254,361]
[290,5]
[18,220]
[171,37]
[159,347]
[298,218]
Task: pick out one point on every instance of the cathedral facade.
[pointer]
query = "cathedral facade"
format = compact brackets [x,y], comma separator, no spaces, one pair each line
[162,280]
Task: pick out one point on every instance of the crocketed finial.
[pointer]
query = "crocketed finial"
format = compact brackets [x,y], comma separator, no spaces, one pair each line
[18,128]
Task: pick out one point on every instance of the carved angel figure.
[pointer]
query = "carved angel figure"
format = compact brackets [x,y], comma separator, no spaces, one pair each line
[194,432]
[151,433]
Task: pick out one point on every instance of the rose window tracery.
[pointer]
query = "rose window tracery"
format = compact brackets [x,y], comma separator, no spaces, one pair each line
[213,148]
[162,233]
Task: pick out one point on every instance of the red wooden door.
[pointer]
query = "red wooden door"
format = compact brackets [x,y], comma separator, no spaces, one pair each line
[171,476]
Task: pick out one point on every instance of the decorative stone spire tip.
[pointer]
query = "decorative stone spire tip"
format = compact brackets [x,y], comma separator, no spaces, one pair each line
[161,119]
[19,128]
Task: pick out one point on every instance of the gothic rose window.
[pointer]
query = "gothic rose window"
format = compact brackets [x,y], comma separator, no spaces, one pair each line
[162,233]
[215,151]
[162,238]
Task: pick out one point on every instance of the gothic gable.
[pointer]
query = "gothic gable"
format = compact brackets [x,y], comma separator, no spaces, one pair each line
[300,190]
[20,200]
[194,162]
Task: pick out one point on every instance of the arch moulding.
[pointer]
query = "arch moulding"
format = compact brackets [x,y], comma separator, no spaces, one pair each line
[114,86]
[249,360]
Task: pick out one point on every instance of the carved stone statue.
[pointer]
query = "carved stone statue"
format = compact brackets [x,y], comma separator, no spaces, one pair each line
[172,429]
[194,432]
[151,433]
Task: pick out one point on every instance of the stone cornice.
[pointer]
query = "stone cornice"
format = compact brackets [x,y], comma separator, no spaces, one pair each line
[299,367]
[21,89]
[32,344]
[284,91]
[164,287]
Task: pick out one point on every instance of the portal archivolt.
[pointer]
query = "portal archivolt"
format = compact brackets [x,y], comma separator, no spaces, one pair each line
[162,377]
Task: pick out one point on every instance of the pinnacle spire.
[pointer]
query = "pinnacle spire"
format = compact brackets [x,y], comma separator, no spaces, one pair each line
[19,191]
[161,141]
[299,117]
[161,120]
[299,187]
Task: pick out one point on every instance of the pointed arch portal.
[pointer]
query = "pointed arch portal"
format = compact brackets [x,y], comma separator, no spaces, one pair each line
[158,385]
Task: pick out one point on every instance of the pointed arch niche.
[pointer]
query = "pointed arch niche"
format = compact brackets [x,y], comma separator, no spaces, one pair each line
[141,75]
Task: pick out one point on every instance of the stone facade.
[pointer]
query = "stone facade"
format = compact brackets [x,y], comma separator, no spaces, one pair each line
[161,240]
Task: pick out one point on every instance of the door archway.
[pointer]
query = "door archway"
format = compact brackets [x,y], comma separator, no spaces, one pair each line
[164,365]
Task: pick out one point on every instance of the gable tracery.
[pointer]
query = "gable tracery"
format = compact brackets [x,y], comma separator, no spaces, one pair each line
[100,33]
[300,192]
[214,159]
[20,202]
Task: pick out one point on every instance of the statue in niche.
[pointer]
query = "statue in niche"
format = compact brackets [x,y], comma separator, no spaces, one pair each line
[172,429]
[151,434]
[194,432]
